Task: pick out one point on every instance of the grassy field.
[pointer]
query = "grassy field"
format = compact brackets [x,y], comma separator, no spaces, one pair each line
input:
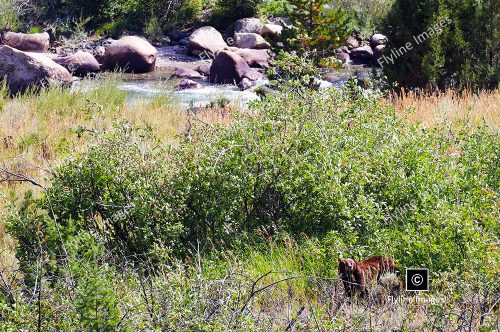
[283,278]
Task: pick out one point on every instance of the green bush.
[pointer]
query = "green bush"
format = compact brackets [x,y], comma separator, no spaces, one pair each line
[226,12]
[318,27]
[9,15]
[367,15]
[302,162]
[461,49]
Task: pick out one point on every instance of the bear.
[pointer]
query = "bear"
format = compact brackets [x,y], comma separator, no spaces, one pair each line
[356,276]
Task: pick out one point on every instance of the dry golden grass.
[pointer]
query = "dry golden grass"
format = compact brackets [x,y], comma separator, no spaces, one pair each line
[436,108]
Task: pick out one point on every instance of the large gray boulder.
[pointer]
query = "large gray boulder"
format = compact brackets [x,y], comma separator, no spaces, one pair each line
[35,42]
[228,67]
[255,58]
[248,25]
[132,54]
[206,39]
[80,64]
[250,40]
[24,70]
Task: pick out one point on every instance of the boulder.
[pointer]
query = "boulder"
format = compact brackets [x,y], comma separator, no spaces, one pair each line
[35,42]
[182,72]
[30,70]
[228,67]
[362,52]
[248,25]
[344,57]
[255,58]
[132,54]
[283,21]
[206,39]
[185,84]
[204,69]
[81,63]
[378,39]
[245,84]
[184,42]
[343,49]
[250,40]
[271,29]
[378,51]
[254,75]
[176,35]
[352,42]
[231,48]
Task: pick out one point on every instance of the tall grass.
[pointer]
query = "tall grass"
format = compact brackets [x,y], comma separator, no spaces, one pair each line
[437,108]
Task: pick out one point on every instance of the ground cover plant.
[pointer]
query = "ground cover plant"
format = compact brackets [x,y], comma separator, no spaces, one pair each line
[139,232]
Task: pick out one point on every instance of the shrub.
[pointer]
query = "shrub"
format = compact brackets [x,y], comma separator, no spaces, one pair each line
[367,15]
[226,12]
[302,162]
[118,191]
[319,27]
[9,14]
[457,48]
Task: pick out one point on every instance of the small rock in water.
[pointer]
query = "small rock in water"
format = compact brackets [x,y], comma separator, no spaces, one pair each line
[245,84]
[254,75]
[204,69]
[182,72]
[186,84]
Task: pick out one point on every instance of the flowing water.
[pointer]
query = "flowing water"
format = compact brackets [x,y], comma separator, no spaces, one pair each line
[144,86]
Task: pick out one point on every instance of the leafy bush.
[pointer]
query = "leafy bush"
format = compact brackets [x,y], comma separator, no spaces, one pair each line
[458,43]
[9,14]
[226,12]
[367,15]
[302,162]
[275,8]
[113,16]
[319,27]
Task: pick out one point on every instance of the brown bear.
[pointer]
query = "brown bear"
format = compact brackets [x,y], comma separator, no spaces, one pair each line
[358,275]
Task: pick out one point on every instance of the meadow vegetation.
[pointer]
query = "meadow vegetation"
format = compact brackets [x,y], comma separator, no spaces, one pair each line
[131,215]
[152,217]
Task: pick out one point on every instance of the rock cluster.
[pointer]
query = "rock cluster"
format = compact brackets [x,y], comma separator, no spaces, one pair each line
[362,52]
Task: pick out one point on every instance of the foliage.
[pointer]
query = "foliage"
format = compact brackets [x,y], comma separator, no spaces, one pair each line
[304,162]
[458,43]
[366,15]
[133,234]
[112,16]
[318,26]
[9,14]
[275,8]
[225,12]
[292,67]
